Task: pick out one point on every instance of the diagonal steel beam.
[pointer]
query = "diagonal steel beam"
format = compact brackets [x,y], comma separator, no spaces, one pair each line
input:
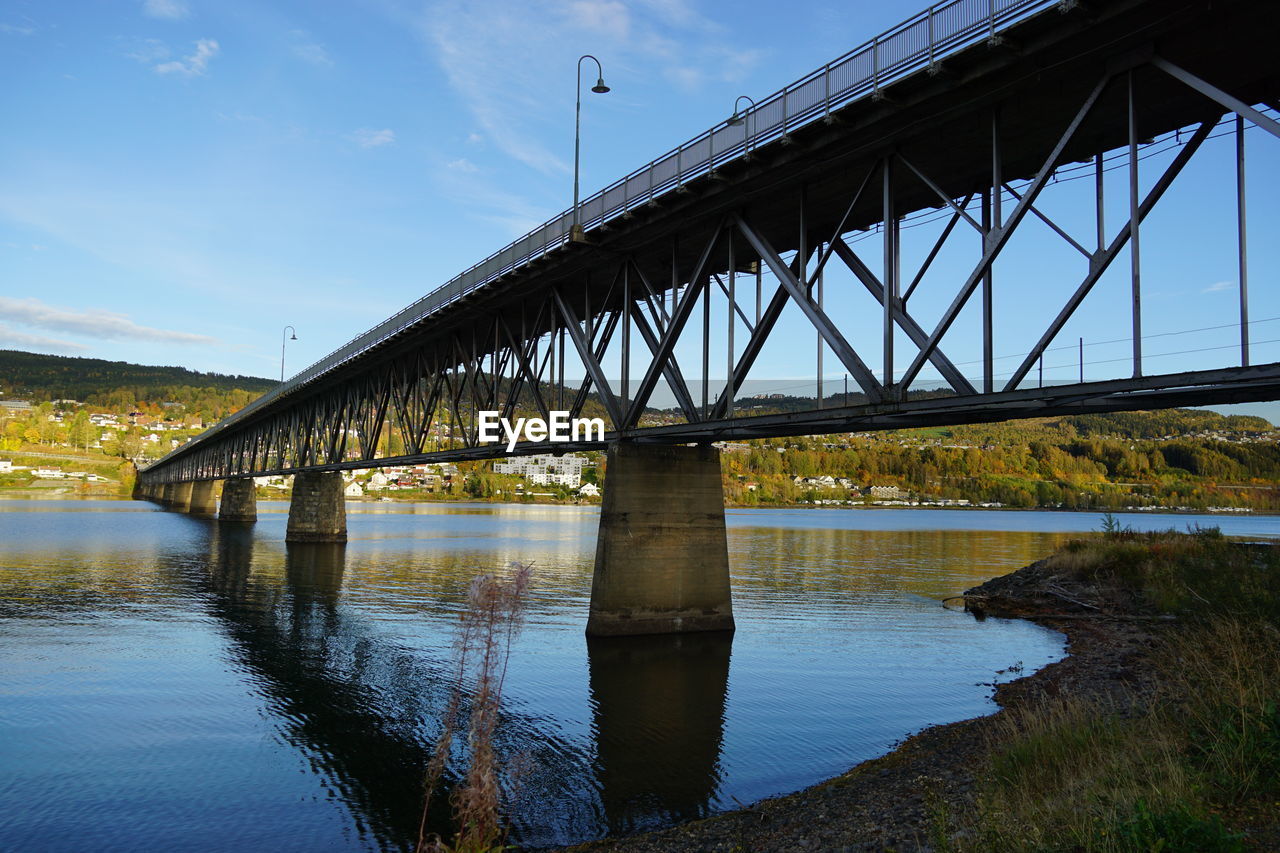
[657,305]
[755,343]
[999,237]
[671,371]
[698,281]
[1213,93]
[1057,229]
[948,200]
[1104,259]
[736,307]
[529,379]
[933,253]
[603,335]
[904,320]
[856,367]
[588,359]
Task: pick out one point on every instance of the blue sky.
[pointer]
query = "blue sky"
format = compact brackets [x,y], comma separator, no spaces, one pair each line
[179,179]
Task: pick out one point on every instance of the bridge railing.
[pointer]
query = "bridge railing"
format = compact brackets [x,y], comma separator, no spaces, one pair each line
[920,41]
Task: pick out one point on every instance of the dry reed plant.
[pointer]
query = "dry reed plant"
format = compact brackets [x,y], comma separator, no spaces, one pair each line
[487,625]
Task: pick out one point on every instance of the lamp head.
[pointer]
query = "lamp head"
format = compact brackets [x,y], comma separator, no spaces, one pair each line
[599,88]
[735,120]
[293,337]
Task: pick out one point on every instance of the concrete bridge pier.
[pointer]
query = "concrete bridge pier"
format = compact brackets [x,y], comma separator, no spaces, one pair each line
[239,502]
[662,558]
[317,512]
[180,496]
[203,501]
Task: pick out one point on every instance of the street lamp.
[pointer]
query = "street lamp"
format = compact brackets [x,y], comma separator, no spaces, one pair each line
[575,232]
[739,119]
[292,337]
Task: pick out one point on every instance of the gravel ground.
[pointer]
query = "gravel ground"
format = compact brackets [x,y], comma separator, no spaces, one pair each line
[894,802]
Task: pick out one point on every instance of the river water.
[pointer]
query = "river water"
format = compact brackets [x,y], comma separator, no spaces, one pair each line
[171,682]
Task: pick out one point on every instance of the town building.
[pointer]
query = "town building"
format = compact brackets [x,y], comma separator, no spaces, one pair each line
[545,469]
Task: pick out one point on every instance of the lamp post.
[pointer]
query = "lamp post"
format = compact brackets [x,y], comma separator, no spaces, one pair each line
[739,119]
[575,232]
[293,336]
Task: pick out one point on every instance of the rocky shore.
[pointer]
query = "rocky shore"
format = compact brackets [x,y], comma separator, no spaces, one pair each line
[914,797]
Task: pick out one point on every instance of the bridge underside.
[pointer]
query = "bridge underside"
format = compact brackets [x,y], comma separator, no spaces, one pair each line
[940,408]
[703,274]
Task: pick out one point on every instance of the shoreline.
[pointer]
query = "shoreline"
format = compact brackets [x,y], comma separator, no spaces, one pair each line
[34,494]
[902,800]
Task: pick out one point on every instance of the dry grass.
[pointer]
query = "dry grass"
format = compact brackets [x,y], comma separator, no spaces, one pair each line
[487,626]
[1196,574]
[1153,772]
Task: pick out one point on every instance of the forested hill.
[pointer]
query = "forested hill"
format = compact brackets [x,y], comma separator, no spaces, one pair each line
[35,377]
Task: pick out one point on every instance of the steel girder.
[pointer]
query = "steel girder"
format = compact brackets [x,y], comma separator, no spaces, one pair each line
[421,399]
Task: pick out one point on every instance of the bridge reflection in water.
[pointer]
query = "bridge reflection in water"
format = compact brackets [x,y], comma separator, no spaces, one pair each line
[670,690]
[366,710]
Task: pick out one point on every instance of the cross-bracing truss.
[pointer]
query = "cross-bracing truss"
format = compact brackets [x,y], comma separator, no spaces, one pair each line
[603,340]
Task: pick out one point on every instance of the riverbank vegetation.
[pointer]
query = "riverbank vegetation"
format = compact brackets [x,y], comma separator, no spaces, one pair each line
[1186,760]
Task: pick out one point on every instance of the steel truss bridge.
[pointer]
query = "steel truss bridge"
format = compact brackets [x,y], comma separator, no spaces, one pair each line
[971,107]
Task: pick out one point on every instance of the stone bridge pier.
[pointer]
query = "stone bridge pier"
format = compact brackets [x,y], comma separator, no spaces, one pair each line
[178,496]
[318,510]
[662,557]
[239,501]
[203,500]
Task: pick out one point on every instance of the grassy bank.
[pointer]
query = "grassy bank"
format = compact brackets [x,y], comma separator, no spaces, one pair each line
[1186,757]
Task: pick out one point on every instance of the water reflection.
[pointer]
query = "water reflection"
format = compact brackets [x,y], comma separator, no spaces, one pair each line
[174,682]
[352,704]
[665,695]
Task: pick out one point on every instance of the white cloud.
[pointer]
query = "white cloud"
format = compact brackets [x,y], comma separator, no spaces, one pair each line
[369,138]
[1219,286]
[21,340]
[193,65]
[93,323]
[312,53]
[307,49]
[488,201]
[170,10]
[503,58]
[147,51]
[603,17]
[16,29]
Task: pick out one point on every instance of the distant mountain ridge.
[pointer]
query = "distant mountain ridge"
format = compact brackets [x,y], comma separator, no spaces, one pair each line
[37,377]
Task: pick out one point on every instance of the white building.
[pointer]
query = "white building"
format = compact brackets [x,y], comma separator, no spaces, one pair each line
[589,490]
[545,469]
[353,490]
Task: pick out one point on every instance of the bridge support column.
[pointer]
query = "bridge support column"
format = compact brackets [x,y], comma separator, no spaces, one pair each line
[203,501]
[180,496]
[317,512]
[239,502]
[662,559]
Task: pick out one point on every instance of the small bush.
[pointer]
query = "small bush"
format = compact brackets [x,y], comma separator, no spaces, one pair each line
[1198,573]
[1175,830]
